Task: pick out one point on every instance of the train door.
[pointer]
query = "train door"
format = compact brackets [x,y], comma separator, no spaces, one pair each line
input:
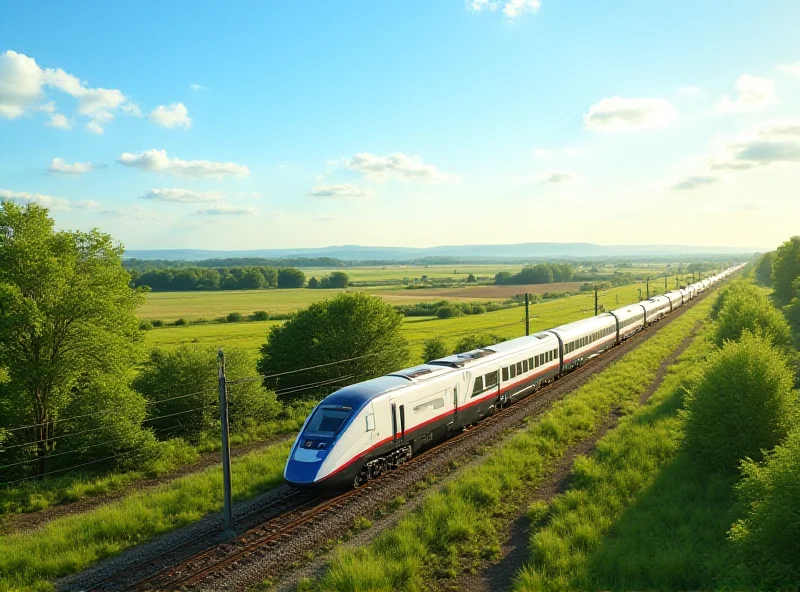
[395,432]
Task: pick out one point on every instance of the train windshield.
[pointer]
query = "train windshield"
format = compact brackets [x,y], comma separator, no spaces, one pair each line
[326,421]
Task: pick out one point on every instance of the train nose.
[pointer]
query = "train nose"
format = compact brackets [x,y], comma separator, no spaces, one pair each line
[304,465]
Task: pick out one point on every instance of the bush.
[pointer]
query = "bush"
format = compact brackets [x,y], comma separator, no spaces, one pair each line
[769,533]
[157,323]
[448,312]
[786,269]
[260,315]
[145,325]
[478,309]
[433,349]
[234,317]
[476,341]
[181,322]
[743,310]
[192,370]
[356,327]
[741,286]
[741,405]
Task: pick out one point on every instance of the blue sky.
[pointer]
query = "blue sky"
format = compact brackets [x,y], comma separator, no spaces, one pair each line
[284,124]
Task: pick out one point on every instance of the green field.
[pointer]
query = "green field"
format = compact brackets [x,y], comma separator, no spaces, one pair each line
[505,323]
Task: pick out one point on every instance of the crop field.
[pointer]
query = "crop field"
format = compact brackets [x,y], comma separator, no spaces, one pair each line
[505,323]
[493,291]
[458,271]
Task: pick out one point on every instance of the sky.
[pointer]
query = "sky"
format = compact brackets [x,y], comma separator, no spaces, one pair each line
[266,124]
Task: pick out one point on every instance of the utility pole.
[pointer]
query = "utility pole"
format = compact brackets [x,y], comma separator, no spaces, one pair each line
[227,510]
[648,288]
[595,300]
[527,315]
[640,294]
[665,283]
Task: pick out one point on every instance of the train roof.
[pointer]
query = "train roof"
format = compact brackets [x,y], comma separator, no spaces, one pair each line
[356,395]
[587,325]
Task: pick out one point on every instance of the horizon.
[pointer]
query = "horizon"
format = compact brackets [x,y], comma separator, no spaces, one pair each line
[414,124]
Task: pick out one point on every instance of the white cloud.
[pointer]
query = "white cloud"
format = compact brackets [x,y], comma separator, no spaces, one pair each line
[753,93]
[22,82]
[511,8]
[95,128]
[176,115]
[397,166]
[60,121]
[133,213]
[195,86]
[542,153]
[157,161]
[88,204]
[559,177]
[617,114]
[59,165]
[182,196]
[546,153]
[690,90]
[23,197]
[225,209]
[793,69]
[48,107]
[772,143]
[695,181]
[344,190]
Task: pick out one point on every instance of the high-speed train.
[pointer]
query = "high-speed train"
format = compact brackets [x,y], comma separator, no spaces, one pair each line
[365,429]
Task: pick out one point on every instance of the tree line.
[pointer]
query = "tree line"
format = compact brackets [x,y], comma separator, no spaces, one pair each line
[221,278]
[542,273]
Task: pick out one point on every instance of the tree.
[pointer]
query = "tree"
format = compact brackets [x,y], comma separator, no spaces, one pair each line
[449,311]
[471,278]
[786,269]
[743,311]
[68,328]
[476,341]
[234,317]
[741,406]
[434,348]
[169,376]
[769,533]
[260,315]
[338,279]
[252,279]
[313,283]
[355,327]
[502,277]
[763,271]
[740,286]
[289,277]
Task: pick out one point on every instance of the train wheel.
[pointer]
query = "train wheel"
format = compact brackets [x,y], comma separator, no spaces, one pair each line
[361,478]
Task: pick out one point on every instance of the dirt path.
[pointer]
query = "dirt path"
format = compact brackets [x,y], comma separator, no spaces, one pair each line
[33,520]
[499,575]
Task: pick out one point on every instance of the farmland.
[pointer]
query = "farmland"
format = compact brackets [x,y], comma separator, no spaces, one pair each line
[505,323]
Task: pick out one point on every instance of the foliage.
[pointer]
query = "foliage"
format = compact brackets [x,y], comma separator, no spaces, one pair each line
[786,269]
[471,279]
[449,311]
[741,406]
[476,341]
[145,325]
[356,327]
[260,315]
[763,271]
[338,279]
[543,273]
[234,317]
[740,286]
[434,348]
[769,533]
[289,277]
[198,278]
[313,283]
[168,377]
[68,335]
[746,310]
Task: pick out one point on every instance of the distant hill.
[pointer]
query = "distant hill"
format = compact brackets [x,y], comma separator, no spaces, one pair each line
[475,253]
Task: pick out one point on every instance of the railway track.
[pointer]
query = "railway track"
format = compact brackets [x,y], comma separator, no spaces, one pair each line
[302,522]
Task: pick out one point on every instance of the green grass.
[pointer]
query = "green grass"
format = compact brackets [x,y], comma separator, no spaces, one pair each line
[251,335]
[456,526]
[67,545]
[638,515]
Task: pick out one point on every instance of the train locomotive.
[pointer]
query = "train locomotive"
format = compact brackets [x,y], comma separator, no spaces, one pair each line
[365,429]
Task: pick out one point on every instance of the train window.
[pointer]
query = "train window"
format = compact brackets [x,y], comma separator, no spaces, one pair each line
[531,365]
[478,386]
[429,405]
[328,420]
[524,366]
[490,379]
[513,369]
[505,374]
[519,368]
[536,361]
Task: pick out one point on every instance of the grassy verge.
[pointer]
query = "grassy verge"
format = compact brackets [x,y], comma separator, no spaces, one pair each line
[638,515]
[457,523]
[67,545]
[33,496]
